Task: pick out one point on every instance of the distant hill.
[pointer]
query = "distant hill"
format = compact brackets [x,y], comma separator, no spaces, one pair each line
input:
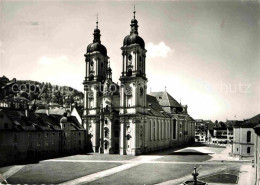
[43,92]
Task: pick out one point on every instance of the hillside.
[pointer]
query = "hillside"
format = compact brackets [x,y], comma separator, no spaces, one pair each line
[40,92]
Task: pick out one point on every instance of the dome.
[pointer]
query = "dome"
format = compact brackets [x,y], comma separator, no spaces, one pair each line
[97,47]
[134,21]
[134,39]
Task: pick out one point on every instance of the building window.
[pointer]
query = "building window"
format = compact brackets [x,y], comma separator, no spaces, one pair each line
[159,130]
[39,135]
[106,133]
[237,149]
[248,150]
[6,125]
[47,135]
[248,136]
[154,130]
[165,129]
[162,136]
[151,130]
[169,130]
[1,116]
[174,129]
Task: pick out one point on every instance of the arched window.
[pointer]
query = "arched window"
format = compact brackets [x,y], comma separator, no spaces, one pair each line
[151,130]
[106,132]
[248,150]
[248,136]
[106,145]
[174,129]
[130,57]
[154,130]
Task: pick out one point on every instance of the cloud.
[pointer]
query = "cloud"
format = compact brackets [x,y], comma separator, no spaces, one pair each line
[48,61]
[159,50]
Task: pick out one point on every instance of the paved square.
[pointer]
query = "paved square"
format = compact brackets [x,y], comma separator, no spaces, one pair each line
[166,167]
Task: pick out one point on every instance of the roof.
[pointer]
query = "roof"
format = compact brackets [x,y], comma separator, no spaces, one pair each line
[58,115]
[231,123]
[80,111]
[165,99]
[154,108]
[257,129]
[31,122]
[37,121]
[250,123]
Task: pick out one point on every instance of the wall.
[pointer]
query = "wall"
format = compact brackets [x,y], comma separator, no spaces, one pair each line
[240,144]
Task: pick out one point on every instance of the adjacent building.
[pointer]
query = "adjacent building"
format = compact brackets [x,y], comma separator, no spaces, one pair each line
[243,144]
[257,153]
[25,135]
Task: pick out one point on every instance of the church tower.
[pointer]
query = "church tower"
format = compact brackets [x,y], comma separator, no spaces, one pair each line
[133,93]
[96,71]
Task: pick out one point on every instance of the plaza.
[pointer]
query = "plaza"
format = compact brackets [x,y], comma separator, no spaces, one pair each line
[165,167]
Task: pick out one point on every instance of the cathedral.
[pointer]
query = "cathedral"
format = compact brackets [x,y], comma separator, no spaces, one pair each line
[123,119]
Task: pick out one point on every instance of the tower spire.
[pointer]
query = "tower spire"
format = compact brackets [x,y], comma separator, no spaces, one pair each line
[97,21]
[134,9]
[134,23]
[96,32]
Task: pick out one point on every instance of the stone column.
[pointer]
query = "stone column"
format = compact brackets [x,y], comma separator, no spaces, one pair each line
[122,137]
[135,60]
[95,138]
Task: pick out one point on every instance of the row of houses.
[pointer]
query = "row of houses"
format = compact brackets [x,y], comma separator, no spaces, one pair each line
[239,134]
[214,133]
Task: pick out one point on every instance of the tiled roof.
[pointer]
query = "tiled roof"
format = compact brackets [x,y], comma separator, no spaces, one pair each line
[250,123]
[37,121]
[30,122]
[165,99]
[154,108]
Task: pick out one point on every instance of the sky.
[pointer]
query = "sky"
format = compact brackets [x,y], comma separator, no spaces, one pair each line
[204,53]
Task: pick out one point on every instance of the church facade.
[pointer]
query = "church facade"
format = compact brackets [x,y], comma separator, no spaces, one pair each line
[123,118]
